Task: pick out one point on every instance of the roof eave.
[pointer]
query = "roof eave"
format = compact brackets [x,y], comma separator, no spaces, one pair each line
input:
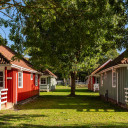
[110,68]
[96,70]
[25,69]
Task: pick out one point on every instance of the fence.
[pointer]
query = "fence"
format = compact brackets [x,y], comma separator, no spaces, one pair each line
[126,95]
[3,97]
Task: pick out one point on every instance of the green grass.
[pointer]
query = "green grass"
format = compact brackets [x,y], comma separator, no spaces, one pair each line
[56,109]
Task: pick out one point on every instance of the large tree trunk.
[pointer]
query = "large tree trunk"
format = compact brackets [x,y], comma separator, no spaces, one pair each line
[73,77]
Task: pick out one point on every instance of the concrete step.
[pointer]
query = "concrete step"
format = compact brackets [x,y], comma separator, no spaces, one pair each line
[9,106]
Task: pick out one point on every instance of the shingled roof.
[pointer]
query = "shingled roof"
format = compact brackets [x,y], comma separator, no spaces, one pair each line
[101,67]
[47,72]
[121,59]
[3,60]
[6,55]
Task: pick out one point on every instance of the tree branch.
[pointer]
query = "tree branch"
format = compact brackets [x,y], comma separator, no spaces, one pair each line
[27,6]
[6,14]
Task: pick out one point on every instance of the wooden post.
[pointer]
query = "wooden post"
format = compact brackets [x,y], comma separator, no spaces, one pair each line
[6,83]
[5,77]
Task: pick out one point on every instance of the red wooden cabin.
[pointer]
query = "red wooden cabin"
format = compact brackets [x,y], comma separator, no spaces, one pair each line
[21,80]
[93,79]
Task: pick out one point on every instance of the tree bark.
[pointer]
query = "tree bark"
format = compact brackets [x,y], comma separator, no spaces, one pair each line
[73,77]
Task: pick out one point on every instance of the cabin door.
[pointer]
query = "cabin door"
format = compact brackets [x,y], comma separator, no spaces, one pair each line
[9,86]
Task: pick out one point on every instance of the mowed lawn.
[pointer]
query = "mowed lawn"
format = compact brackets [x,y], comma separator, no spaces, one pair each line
[56,109]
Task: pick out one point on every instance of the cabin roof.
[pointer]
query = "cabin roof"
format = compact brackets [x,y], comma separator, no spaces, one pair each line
[101,67]
[6,53]
[3,60]
[48,72]
[121,59]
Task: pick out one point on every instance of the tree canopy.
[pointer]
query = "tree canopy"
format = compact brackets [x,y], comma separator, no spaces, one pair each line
[61,34]
[3,41]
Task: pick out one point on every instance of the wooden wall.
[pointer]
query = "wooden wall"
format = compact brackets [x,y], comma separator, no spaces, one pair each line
[29,89]
[112,91]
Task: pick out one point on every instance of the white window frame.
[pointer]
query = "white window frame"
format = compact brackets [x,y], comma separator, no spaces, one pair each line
[36,80]
[102,79]
[21,80]
[114,85]
[31,76]
[3,79]
[45,80]
[97,80]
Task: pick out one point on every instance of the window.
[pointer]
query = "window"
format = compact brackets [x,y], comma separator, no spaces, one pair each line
[1,79]
[114,78]
[43,81]
[102,76]
[31,76]
[97,80]
[20,79]
[36,80]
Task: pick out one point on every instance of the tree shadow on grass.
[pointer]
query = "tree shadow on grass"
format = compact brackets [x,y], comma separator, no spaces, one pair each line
[121,125]
[82,103]
[69,90]
[5,120]
[26,125]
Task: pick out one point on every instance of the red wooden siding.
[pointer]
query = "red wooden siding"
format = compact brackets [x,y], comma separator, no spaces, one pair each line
[90,83]
[29,89]
[14,86]
[10,85]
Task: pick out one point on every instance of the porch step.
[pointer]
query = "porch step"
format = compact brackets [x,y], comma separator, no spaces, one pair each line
[9,106]
[44,90]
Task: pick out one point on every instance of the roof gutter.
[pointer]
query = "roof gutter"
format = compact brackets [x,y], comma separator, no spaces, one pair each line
[116,66]
[96,75]
[94,72]
[5,64]
[25,69]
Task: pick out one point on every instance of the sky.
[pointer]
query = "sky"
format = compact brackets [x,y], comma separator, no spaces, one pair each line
[4,32]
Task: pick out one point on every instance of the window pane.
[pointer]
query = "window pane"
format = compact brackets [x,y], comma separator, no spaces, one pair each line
[43,80]
[114,79]
[20,84]
[1,84]
[31,76]
[19,74]
[1,78]
[97,80]
[19,79]
[114,74]
[1,73]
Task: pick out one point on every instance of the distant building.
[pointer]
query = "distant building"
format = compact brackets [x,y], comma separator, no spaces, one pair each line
[93,78]
[48,81]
